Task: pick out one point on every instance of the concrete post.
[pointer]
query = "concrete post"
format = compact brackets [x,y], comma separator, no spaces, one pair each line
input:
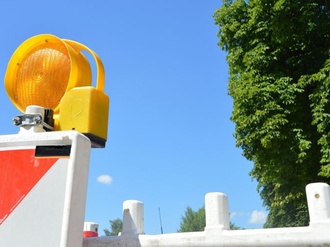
[318,199]
[133,217]
[216,211]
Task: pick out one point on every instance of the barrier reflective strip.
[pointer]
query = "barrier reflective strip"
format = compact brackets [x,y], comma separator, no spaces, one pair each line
[20,171]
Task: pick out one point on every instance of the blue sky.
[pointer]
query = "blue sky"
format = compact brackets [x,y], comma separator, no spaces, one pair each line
[170,138]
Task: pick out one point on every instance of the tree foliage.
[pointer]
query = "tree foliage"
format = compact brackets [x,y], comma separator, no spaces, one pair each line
[194,221]
[279,79]
[116,227]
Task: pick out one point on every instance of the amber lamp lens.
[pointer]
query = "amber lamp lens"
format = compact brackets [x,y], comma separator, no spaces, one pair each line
[43,69]
[42,76]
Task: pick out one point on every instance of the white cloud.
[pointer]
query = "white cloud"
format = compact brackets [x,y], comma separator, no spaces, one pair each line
[238,215]
[232,215]
[104,179]
[258,217]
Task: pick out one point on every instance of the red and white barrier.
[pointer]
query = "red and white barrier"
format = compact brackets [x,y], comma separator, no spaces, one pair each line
[43,188]
[43,191]
[90,230]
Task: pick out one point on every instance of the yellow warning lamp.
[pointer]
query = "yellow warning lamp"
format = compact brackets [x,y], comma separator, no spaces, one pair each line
[54,73]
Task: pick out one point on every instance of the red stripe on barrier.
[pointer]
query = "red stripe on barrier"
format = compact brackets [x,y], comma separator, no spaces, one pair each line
[90,234]
[20,171]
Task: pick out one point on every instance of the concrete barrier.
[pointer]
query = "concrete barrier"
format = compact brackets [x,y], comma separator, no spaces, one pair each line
[217,232]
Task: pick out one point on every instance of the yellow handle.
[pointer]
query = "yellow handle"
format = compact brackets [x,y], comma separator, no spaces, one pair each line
[99,65]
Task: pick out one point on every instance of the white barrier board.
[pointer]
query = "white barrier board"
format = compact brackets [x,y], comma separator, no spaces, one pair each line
[43,189]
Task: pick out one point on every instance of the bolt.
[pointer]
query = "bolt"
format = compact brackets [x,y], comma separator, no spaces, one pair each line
[17,121]
[38,119]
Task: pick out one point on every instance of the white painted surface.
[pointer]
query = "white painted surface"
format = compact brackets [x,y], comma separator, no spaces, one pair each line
[91,227]
[318,198]
[133,217]
[217,234]
[216,211]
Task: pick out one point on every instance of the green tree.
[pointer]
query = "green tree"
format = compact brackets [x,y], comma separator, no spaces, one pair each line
[194,221]
[279,79]
[116,227]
